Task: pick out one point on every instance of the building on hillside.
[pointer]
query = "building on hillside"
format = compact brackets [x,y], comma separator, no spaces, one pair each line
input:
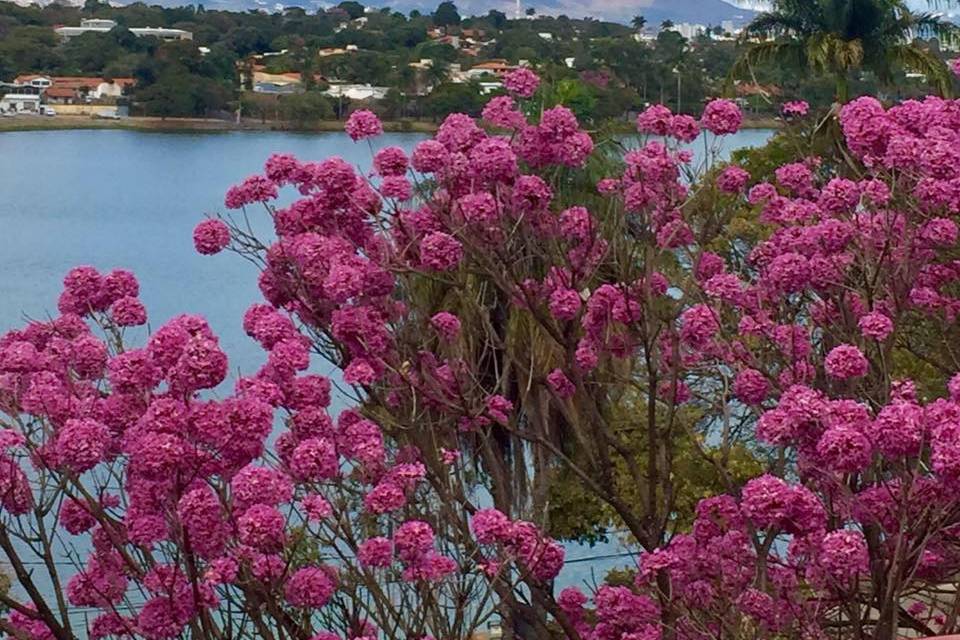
[486,88]
[453,41]
[497,68]
[20,103]
[94,25]
[337,51]
[423,64]
[264,82]
[357,92]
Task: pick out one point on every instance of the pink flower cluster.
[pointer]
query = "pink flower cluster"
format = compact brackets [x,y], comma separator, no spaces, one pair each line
[522,82]
[363,124]
[518,540]
[795,109]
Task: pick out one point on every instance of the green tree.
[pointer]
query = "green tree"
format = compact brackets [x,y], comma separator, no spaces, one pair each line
[639,22]
[454,98]
[446,15]
[575,95]
[90,52]
[353,9]
[30,48]
[497,19]
[839,37]
[305,108]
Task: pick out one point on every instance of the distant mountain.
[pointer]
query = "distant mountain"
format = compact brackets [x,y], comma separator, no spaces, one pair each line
[655,11]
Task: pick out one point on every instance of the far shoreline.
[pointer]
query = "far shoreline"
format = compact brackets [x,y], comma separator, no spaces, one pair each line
[181,125]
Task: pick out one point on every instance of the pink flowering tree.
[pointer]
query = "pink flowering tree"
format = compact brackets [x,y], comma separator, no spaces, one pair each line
[493,301]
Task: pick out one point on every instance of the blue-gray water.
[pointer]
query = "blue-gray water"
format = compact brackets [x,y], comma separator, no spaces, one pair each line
[131,199]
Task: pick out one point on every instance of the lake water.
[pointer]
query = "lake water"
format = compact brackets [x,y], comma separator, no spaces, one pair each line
[131,199]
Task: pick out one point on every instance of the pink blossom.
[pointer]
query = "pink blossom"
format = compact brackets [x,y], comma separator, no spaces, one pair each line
[413,540]
[561,384]
[128,312]
[375,553]
[211,237]
[430,156]
[311,587]
[655,120]
[732,179]
[490,526]
[522,81]
[390,161]
[684,128]
[846,361]
[699,324]
[363,124]
[721,117]
[82,444]
[385,497]
[795,109]
[564,304]
[875,325]
[446,325]
[843,554]
[440,251]
[262,527]
[315,460]
[316,507]
[751,386]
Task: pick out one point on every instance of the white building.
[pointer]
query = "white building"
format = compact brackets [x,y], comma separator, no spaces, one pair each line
[689,30]
[359,92]
[486,88]
[20,103]
[96,25]
[752,5]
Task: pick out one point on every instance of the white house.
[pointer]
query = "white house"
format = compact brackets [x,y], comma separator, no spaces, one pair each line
[20,103]
[96,25]
[37,82]
[358,92]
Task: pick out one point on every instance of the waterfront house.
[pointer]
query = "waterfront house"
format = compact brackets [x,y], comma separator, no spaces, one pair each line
[76,89]
[20,103]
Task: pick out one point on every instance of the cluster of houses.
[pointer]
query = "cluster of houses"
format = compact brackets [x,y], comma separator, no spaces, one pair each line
[40,94]
[34,94]
[254,74]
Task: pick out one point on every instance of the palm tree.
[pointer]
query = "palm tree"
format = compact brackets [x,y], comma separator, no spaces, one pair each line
[639,22]
[836,37]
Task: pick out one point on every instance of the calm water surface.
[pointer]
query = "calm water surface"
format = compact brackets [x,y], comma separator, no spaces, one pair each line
[131,199]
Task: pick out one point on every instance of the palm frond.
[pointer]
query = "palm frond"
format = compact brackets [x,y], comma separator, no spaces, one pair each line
[923,61]
[787,52]
[775,23]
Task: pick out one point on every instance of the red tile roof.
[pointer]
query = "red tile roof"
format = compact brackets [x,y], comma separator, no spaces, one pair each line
[61,92]
[74,82]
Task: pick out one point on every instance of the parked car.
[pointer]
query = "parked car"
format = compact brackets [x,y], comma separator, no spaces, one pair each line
[47,111]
